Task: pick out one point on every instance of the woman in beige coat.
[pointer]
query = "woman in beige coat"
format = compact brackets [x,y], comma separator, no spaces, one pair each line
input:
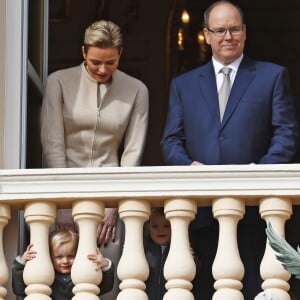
[94,115]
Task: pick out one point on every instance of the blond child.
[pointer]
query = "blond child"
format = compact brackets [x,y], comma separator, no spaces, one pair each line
[63,245]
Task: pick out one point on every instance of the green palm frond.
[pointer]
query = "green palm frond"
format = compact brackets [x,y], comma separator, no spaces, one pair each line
[285,253]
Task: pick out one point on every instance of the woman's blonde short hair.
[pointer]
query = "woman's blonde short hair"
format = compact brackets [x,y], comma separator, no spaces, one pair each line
[63,236]
[103,34]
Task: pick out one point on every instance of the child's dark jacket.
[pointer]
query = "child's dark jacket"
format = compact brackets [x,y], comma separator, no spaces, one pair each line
[62,285]
[155,284]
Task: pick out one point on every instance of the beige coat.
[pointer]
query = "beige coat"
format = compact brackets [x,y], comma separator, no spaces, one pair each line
[77,133]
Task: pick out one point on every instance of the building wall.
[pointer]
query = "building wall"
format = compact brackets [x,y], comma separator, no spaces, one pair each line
[10,108]
[2,74]
[11,78]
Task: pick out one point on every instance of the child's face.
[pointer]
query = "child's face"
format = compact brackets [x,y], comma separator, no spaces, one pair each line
[63,257]
[160,229]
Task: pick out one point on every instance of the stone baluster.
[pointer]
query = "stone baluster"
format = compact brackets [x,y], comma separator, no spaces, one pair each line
[38,272]
[180,267]
[4,273]
[228,269]
[276,211]
[87,214]
[133,268]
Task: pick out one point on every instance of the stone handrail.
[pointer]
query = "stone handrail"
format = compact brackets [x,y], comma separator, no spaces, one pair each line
[228,189]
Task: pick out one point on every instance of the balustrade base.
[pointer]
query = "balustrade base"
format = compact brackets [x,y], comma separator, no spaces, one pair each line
[178,294]
[226,294]
[132,294]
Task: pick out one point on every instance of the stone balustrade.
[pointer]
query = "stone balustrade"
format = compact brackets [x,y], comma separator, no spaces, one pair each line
[227,189]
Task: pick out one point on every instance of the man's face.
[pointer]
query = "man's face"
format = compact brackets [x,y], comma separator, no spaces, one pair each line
[226,48]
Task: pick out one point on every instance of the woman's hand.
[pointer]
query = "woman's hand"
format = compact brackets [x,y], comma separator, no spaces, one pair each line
[107,230]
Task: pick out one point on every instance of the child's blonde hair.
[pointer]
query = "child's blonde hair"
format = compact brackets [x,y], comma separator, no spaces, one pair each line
[63,236]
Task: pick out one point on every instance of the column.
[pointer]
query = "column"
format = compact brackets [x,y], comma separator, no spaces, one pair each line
[39,273]
[228,269]
[133,268]
[180,267]
[4,273]
[87,214]
[276,211]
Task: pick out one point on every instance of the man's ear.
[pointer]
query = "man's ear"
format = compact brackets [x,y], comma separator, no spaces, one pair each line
[244,29]
[206,35]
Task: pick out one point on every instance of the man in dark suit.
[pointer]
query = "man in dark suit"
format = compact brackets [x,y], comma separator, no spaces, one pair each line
[258,125]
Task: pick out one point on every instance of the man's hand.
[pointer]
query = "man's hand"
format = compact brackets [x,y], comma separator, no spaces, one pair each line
[196,163]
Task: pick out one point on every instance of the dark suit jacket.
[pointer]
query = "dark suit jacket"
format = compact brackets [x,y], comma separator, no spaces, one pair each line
[259,124]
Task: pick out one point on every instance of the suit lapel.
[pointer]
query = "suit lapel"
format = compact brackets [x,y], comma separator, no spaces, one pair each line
[208,88]
[243,79]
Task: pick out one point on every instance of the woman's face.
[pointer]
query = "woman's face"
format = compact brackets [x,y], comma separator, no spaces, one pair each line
[101,62]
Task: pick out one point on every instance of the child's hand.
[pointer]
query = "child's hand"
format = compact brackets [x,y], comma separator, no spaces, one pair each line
[29,254]
[98,259]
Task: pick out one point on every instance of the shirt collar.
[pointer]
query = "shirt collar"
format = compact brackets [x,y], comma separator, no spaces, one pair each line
[234,65]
